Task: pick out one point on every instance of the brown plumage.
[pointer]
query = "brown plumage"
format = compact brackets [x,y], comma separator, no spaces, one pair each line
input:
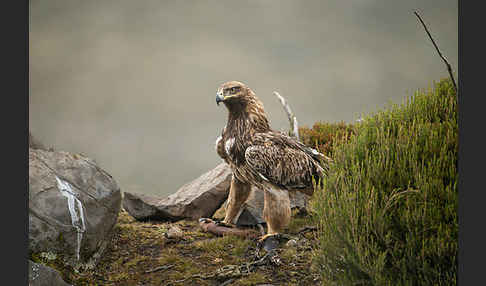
[263,157]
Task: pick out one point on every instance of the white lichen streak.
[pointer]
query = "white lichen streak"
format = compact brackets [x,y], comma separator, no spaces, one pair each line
[76,220]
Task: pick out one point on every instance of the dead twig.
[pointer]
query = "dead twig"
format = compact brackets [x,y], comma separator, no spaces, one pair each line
[449,68]
[294,126]
[227,282]
[163,267]
[307,229]
[231,271]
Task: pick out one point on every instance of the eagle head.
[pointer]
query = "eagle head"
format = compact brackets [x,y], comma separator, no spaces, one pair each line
[233,94]
[243,104]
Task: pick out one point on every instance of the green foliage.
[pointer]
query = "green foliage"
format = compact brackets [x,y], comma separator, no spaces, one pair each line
[387,212]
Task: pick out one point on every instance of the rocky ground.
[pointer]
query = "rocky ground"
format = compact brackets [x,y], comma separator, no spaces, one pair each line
[80,234]
[157,253]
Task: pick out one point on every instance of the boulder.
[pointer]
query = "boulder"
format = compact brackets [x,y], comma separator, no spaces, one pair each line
[73,207]
[201,198]
[34,143]
[41,275]
[142,207]
[198,198]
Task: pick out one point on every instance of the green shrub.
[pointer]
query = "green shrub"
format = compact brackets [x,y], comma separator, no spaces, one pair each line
[387,212]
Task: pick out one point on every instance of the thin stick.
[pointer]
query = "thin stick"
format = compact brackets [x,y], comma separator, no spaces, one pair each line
[163,267]
[449,68]
[294,126]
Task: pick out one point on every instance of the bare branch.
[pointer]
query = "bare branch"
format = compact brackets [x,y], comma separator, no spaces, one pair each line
[449,68]
[294,126]
[163,267]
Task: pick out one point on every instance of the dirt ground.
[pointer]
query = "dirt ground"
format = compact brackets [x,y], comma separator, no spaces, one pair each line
[180,253]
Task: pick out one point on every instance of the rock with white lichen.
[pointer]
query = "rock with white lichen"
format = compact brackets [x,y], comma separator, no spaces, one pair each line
[73,207]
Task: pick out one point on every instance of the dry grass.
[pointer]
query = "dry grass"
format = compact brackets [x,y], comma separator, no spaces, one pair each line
[140,254]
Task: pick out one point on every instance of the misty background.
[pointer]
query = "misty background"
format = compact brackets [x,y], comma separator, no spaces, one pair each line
[132,84]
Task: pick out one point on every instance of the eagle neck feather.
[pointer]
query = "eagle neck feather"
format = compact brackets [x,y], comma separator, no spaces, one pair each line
[242,125]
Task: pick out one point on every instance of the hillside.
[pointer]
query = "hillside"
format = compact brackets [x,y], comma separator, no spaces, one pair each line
[386,215]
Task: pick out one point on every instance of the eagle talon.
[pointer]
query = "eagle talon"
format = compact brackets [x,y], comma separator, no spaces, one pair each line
[206,220]
[224,224]
[268,235]
[269,241]
[216,222]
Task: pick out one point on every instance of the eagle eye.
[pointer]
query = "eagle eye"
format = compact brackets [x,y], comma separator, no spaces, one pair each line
[232,90]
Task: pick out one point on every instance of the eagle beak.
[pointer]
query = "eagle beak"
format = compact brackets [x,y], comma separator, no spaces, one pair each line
[219,98]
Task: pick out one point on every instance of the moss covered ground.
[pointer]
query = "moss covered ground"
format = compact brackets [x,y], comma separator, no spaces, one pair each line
[140,253]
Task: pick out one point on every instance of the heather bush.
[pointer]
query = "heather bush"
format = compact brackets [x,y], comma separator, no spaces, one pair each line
[387,212]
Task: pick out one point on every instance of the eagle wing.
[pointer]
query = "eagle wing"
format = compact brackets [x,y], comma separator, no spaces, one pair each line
[281,160]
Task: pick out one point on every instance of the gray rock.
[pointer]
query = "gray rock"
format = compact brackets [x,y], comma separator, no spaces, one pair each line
[174,232]
[291,243]
[143,207]
[41,275]
[252,213]
[198,198]
[299,200]
[34,143]
[201,198]
[77,222]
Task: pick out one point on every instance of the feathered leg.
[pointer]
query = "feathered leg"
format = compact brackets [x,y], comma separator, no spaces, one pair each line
[238,194]
[276,211]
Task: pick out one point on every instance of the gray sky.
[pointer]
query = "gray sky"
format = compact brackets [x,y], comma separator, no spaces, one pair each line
[132,84]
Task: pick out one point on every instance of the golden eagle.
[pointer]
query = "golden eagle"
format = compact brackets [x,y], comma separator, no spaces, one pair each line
[260,156]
